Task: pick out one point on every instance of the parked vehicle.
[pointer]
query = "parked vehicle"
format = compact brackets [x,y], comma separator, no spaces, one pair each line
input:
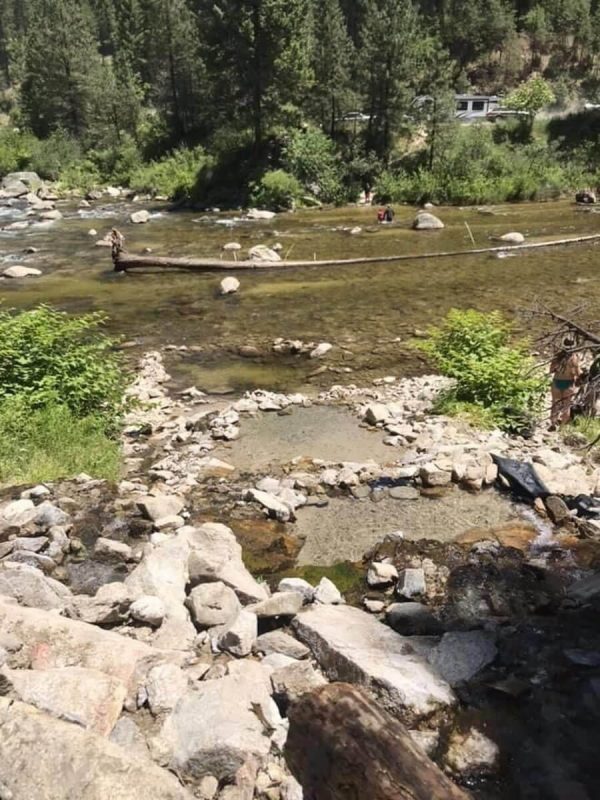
[475,107]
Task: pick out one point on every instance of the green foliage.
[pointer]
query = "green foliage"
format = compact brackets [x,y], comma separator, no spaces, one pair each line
[52,442]
[48,357]
[174,175]
[276,190]
[52,156]
[531,96]
[311,157]
[16,149]
[491,372]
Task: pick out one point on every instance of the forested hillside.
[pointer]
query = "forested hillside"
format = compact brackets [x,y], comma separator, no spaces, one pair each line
[222,99]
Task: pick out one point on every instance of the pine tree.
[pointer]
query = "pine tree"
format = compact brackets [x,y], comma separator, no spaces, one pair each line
[332,59]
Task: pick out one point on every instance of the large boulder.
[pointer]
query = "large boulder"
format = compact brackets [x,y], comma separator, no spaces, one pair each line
[159,506]
[281,604]
[351,645]
[48,759]
[462,654]
[217,556]
[427,222]
[30,587]
[19,271]
[239,636]
[31,179]
[216,729]
[280,642]
[213,604]
[87,697]
[109,606]
[140,217]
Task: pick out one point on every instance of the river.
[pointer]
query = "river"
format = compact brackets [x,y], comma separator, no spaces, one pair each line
[368,312]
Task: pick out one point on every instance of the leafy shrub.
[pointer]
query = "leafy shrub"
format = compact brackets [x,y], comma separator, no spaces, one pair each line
[173,176]
[51,156]
[311,157]
[48,443]
[117,163]
[276,190]
[15,150]
[491,373]
[48,357]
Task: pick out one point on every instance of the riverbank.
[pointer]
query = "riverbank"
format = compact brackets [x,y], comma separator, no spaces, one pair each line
[140,595]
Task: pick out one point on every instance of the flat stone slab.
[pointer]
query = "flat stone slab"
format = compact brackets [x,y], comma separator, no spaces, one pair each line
[351,645]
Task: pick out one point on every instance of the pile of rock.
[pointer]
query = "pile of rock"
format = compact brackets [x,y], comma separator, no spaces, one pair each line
[33,202]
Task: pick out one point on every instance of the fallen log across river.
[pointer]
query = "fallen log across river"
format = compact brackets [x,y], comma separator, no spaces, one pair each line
[124,261]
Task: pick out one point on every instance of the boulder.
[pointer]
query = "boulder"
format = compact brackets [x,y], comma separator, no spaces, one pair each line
[53,641]
[351,645]
[216,555]
[51,215]
[31,179]
[213,604]
[297,585]
[291,682]
[69,761]
[425,221]
[128,737]
[149,610]
[13,188]
[165,685]
[281,604]
[261,252]
[321,350]
[256,213]
[513,237]
[87,697]
[229,285]
[18,271]
[412,619]
[280,642]
[239,636]
[376,413]
[462,654]
[111,550]
[155,507]
[431,475]
[140,217]
[327,593]
[217,728]
[109,606]
[30,587]
[381,574]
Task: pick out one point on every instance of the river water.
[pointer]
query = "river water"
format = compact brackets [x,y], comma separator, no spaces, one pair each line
[368,312]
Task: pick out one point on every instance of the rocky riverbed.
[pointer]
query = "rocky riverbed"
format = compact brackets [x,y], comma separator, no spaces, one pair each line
[154,634]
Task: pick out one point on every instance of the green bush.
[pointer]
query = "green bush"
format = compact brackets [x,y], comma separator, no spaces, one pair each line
[16,148]
[48,357]
[44,444]
[491,372]
[52,156]
[310,156]
[173,176]
[276,190]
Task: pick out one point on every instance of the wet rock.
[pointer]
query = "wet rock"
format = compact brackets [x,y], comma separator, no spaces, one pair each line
[297,585]
[140,217]
[586,590]
[411,583]
[239,636]
[17,271]
[557,509]
[73,762]
[327,593]
[165,685]
[261,252]
[381,574]
[349,644]
[84,696]
[412,619]
[426,740]
[149,610]
[513,237]
[255,213]
[281,604]
[461,655]
[112,550]
[280,642]
[13,188]
[321,350]
[30,587]
[425,221]
[291,682]
[213,604]
[217,556]
[432,476]
[52,215]
[229,285]
[109,606]
[471,753]
[272,504]
[160,506]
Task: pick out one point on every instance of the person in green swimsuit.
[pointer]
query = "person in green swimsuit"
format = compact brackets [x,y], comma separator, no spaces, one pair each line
[565,369]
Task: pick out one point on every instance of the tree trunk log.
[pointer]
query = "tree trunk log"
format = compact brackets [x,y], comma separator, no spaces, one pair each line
[343,746]
[123,260]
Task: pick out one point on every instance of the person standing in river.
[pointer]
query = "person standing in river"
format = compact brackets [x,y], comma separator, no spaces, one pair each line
[565,369]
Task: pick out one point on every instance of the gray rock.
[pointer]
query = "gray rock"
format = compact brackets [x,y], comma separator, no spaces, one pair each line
[412,619]
[112,550]
[88,697]
[30,587]
[461,655]
[380,574]
[73,762]
[140,217]
[281,604]
[297,585]
[272,504]
[18,271]
[213,604]
[30,179]
[256,213]
[404,493]
[351,645]
[327,593]
[239,636]
[165,685]
[291,682]
[32,543]
[232,246]
[109,606]
[373,606]
[280,642]
[229,285]
[128,737]
[376,413]
[52,215]
[513,237]
[36,560]
[411,583]
[160,506]
[261,252]
[48,515]
[427,222]
[432,476]
[149,610]
[586,590]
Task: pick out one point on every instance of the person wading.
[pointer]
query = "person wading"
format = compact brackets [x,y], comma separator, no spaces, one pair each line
[565,369]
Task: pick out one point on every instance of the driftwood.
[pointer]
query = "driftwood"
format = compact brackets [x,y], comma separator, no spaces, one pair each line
[123,261]
[342,746]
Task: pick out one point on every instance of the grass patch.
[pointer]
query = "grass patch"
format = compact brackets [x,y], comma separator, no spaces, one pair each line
[587,426]
[347,576]
[50,443]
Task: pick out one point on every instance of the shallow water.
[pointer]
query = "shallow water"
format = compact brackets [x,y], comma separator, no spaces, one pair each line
[369,312]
